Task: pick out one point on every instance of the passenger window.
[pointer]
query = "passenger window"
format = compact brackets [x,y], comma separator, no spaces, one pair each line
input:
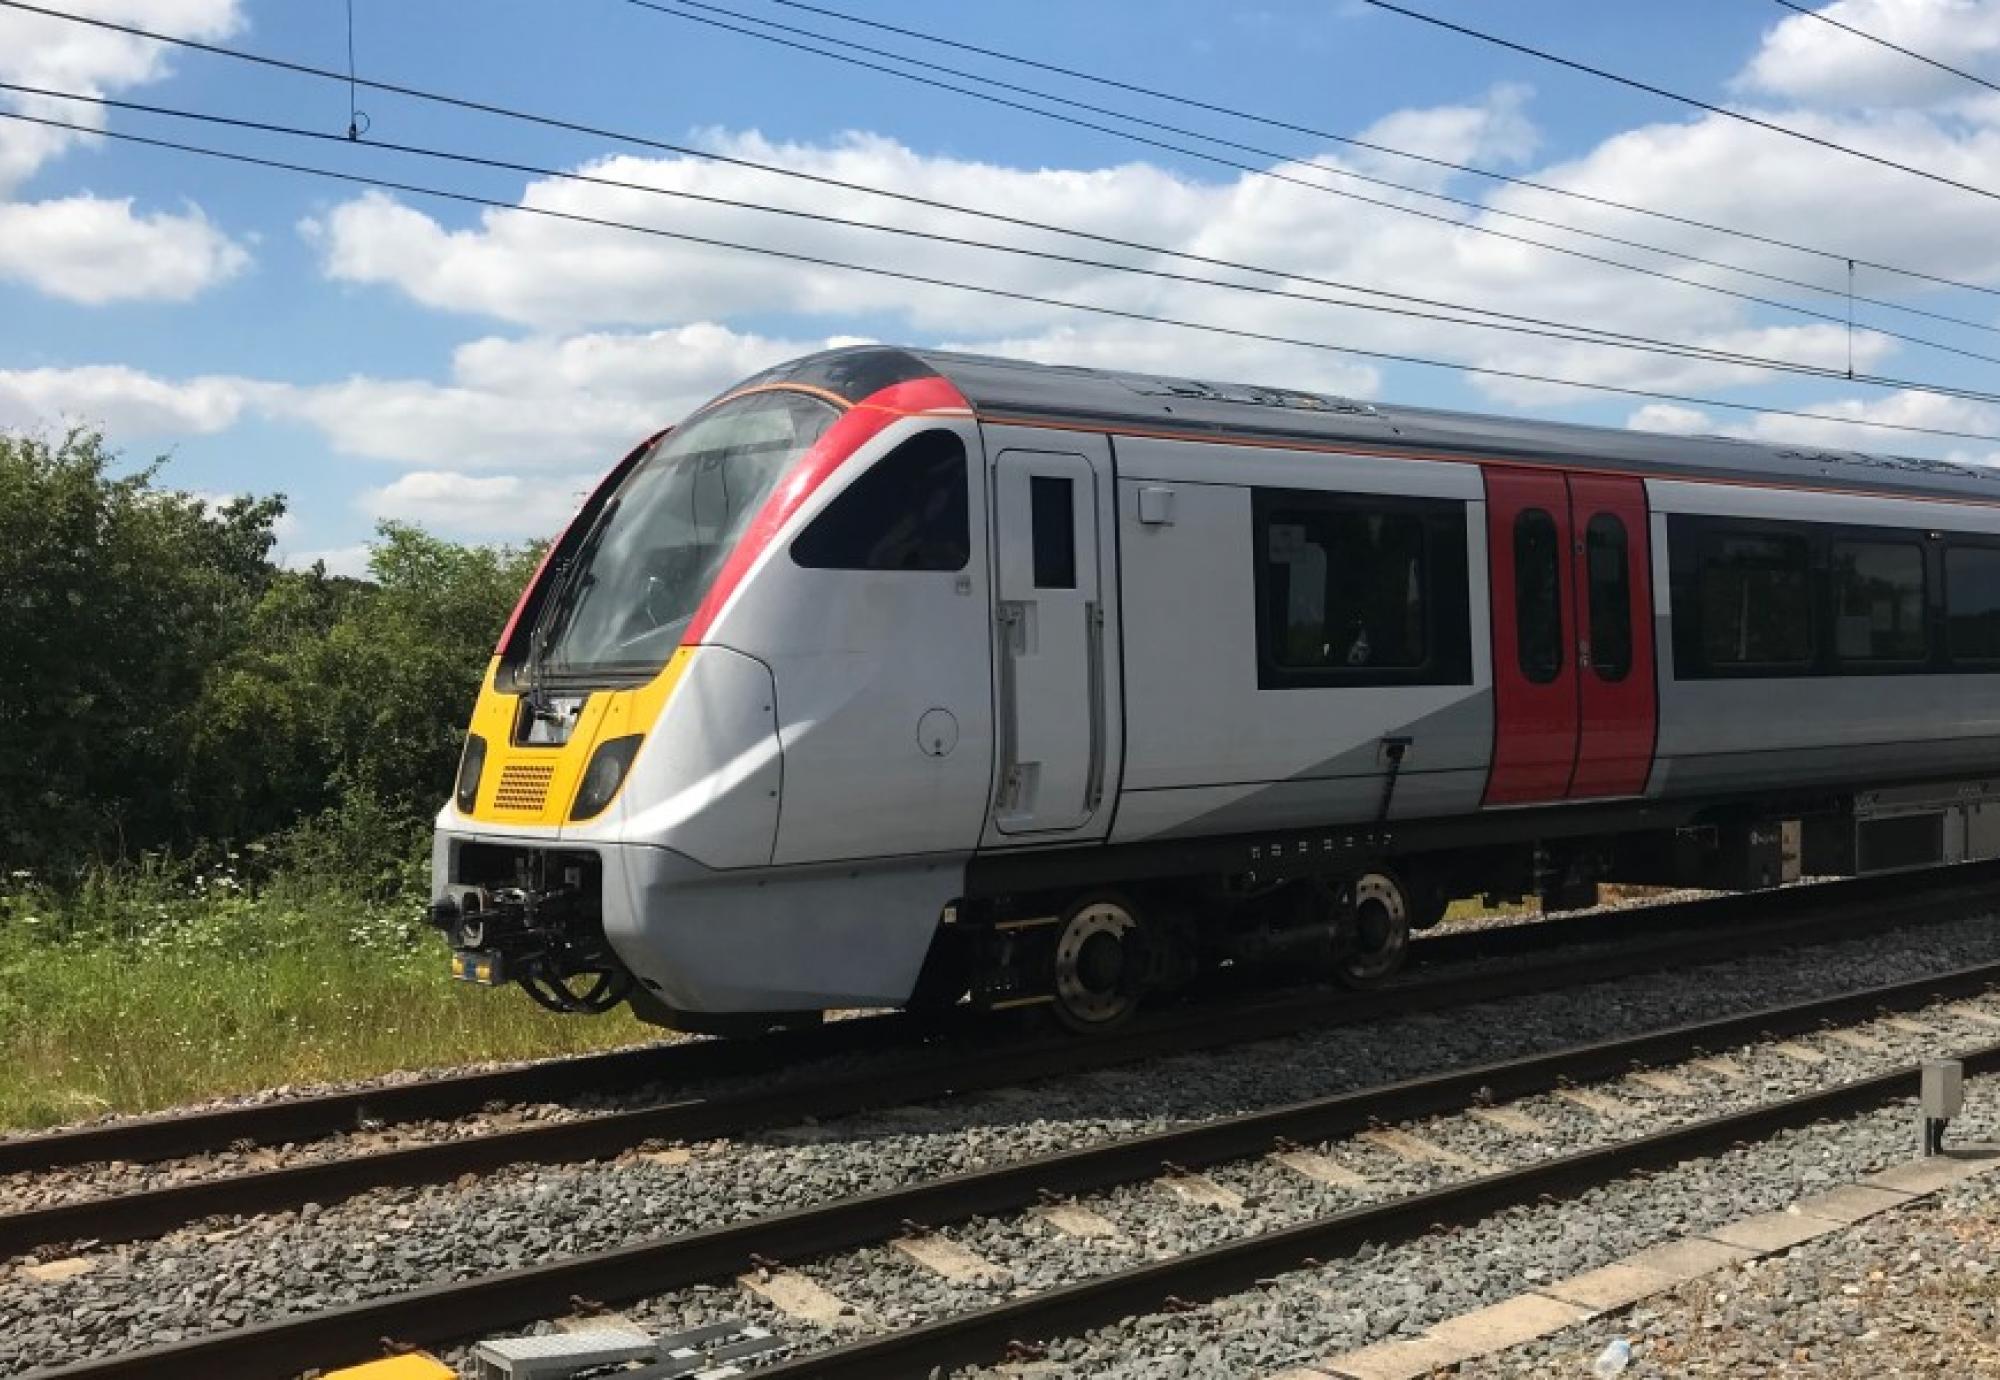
[1609,577]
[1052,516]
[1756,600]
[1972,602]
[1538,632]
[1878,601]
[908,512]
[1348,589]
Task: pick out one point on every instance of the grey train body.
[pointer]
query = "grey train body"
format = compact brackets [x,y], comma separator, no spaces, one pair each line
[1200,647]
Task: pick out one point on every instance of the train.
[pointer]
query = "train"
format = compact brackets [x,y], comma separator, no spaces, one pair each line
[906,678]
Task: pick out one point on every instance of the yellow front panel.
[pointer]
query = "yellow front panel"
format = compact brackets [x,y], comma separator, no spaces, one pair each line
[536,785]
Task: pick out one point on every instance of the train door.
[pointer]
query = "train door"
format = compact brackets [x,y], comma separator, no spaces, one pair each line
[1572,636]
[1050,622]
[1614,601]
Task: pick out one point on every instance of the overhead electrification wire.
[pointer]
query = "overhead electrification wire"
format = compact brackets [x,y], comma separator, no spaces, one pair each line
[1539,327]
[984,290]
[1877,39]
[686,10]
[1838,257]
[908,198]
[1692,101]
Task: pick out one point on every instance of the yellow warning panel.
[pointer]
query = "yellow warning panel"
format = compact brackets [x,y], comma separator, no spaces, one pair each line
[415,1366]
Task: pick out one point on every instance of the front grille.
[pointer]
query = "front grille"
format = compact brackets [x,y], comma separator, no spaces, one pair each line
[523,787]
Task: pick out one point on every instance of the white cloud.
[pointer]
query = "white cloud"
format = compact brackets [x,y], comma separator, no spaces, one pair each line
[90,249]
[120,400]
[538,401]
[481,505]
[1671,419]
[1804,59]
[36,50]
[351,561]
[1496,131]
[285,528]
[86,248]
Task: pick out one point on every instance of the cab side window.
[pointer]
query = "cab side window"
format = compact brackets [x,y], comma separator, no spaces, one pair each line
[909,512]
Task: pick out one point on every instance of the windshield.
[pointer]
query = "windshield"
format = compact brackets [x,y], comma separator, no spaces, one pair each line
[642,569]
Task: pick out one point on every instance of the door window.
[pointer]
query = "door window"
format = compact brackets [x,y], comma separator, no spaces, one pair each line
[1608,577]
[1538,595]
[1052,518]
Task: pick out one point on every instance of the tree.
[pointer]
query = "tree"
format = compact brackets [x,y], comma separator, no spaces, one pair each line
[164,685]
[116,597]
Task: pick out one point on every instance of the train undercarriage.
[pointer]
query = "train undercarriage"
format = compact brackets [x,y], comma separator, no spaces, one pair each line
[1310,905]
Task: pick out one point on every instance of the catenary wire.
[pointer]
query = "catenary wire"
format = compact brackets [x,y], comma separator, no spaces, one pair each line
[1877,39]
[644,141]
[1556,330]
[1693,101]
[676,9]
[985,290]
[1473,170]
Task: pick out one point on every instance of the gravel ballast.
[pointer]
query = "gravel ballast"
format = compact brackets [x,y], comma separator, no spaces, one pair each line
[1401,1290]
[389,1241]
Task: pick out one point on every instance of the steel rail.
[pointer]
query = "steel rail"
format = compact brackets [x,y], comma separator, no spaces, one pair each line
[179,1134]
[450,1312]
[952,1070]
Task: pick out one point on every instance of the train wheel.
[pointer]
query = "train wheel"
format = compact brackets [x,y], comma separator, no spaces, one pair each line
[1381,931]
[1100,964]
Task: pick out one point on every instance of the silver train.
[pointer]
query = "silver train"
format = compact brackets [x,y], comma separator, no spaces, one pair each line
[893,676]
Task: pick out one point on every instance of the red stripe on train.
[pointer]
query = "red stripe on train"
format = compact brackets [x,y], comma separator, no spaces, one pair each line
[856,428]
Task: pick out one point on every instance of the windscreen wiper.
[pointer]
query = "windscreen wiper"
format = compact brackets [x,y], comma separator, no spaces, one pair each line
[561,599]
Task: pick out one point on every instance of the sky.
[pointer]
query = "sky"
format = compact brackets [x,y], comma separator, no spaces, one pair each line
[389,355]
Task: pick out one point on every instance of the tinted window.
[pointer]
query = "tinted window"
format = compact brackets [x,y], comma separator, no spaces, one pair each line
[908,512]
[1538,595]
[1052,516]
[1756,600]
[1609,577]
[1972,602]
[1878,601]
[1348,588]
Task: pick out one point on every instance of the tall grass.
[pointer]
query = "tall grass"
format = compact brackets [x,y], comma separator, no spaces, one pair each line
[143,986]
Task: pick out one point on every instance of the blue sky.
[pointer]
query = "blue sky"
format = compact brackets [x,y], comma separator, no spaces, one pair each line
[380,356]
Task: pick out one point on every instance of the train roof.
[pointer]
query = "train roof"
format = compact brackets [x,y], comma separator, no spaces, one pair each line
[1155,404]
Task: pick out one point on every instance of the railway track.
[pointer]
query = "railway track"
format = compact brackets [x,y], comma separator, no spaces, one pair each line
[292,1120]
[1653,942]
[447,1312]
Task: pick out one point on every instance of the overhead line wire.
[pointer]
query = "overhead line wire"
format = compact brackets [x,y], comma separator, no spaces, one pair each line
[1255,171]
[1008,294]
[645,141]
[1693,101]
[1556,330]
[1351,141]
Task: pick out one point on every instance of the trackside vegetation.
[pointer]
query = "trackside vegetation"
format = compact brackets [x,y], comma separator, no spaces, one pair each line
[216,780]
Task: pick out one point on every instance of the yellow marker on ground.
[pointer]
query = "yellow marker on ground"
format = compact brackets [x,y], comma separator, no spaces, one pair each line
[415,1366]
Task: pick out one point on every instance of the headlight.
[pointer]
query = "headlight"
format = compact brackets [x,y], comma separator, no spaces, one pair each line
[470,763]
[604,775]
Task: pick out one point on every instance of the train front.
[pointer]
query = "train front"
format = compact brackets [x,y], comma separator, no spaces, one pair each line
[620,752]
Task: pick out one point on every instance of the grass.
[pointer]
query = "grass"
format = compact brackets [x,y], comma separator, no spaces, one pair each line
[150,987]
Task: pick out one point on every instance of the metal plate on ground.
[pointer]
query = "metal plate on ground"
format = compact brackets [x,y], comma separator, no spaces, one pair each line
[560,1354]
